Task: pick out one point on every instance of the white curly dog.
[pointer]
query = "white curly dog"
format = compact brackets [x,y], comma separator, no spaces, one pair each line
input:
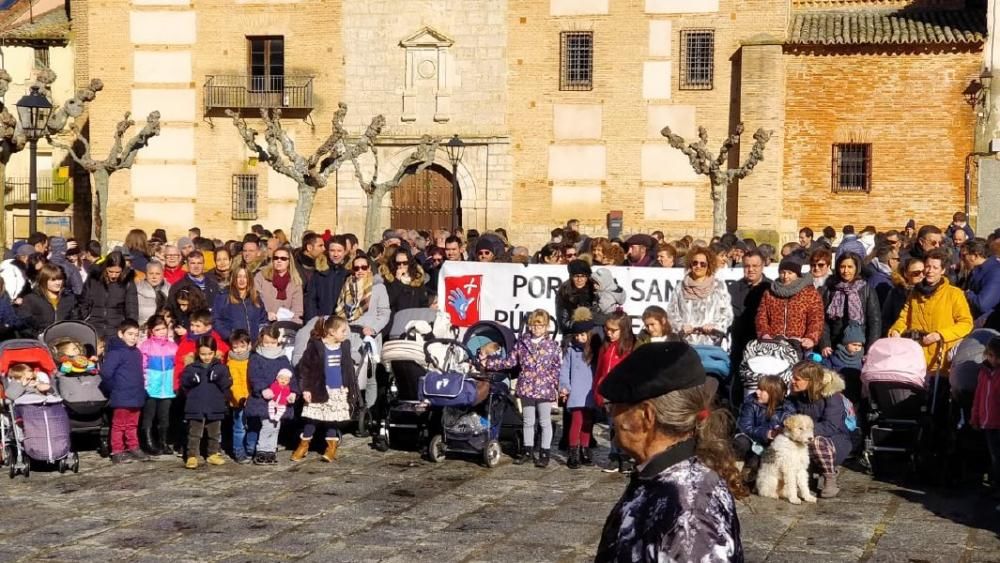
[784,469]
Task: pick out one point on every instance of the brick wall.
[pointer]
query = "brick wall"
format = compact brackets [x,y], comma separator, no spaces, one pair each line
[909,105]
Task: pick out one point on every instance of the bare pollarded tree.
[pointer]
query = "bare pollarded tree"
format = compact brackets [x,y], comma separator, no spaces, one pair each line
[313,173]
[12,138]
[716,167]
[121,156]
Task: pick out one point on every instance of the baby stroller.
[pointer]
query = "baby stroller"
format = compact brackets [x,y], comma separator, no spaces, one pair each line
[400,420]
[764,357]
[473,404]
[33,426]
[81,393]
[286,339]
[716,362]
[893,380]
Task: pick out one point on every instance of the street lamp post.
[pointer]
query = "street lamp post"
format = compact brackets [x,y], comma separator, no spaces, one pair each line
[456,149]
[33,110]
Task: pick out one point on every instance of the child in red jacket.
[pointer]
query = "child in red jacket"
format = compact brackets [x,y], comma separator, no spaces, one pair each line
[986,406]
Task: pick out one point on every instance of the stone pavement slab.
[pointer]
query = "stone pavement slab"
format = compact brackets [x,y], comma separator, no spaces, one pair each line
[369,506]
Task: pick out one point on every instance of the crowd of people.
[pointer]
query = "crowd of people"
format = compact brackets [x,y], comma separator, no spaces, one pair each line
[191,335]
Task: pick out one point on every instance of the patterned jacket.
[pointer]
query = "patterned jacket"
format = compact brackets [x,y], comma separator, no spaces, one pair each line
[798,316]
[675,509]
[540,364]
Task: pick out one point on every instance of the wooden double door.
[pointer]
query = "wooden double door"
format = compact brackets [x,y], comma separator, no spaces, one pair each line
[424,201]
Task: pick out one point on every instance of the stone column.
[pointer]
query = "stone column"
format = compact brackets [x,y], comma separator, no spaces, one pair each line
[762,104]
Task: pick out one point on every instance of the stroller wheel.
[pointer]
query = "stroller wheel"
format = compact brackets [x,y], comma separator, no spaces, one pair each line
[27,468]
[435,449]
[381,444]
[491,454]
[12,470]
[76,462]
[103,448]
[62,466]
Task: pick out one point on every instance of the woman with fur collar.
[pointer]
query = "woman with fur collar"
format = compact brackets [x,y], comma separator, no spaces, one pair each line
[817,392]
[364,302]
[404,281]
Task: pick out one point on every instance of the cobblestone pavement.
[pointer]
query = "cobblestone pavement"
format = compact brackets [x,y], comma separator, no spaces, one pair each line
[369,506]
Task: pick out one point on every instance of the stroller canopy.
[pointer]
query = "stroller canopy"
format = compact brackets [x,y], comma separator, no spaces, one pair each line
[24,351]
[897,360]
[71,330]
[484,332]
[964,372]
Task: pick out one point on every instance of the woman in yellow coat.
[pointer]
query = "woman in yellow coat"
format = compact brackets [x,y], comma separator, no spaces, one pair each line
[936,313]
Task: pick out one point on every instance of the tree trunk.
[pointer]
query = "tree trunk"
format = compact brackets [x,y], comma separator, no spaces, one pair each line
[100,223]
[373,215]
[719,197]
[303,209]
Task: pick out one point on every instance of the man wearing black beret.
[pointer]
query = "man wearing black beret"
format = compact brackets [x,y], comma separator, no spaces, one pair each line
[679,506]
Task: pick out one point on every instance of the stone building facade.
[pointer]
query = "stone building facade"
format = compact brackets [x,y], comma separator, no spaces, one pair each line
[560,104]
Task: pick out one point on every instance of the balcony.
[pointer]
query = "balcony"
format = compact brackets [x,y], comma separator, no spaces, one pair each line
[58,192]
[292,94]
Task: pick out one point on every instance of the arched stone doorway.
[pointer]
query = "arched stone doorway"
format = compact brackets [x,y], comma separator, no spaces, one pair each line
[424,201]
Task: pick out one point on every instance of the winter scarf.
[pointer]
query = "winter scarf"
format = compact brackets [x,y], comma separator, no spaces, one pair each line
[355,297]
[847,359]
[239,357]
[270,352]
[849,293]
[925,289]
[792,289]
[697,290]
[280,283]
[199,282]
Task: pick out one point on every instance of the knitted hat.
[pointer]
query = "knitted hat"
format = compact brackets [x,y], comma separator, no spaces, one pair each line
[184,241]
[579,268]
[792,264]
[23,249]
[284,372]
[854,333]
[583,321]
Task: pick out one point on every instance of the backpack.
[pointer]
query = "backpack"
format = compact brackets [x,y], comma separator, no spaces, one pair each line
[850,415]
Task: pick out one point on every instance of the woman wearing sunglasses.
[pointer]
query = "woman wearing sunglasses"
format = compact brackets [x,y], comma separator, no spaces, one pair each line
[280,286]
[364,302]
[404,280]
[700,308]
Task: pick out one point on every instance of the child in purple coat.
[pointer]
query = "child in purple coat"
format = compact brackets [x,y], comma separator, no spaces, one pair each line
[538,384]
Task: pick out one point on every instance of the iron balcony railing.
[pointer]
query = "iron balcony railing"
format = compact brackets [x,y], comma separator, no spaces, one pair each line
[250,92]
[49,191]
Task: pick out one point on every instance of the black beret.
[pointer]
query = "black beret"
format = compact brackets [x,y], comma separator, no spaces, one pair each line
[653,370]
[640,239]
[579,268]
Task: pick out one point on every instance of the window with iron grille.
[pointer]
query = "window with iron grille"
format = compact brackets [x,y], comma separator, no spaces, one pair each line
[852,167]
[244,197]
[41,57]
[577,61]
[697,59]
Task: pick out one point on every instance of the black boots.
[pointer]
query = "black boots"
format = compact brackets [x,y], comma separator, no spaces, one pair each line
[585,457]
[151,447]
[543,459]
[573,461]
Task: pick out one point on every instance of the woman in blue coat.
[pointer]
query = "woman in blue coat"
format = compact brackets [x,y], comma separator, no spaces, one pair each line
[576,387]
[239,307]
[265,363]
[817,392]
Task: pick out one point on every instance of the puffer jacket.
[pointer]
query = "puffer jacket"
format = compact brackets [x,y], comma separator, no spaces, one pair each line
[240,390]
[946,312]
[121,376]
[228,316]
[39,314]
[206,388]
[261,373]
[158,355]
[323,289]
[151,299]
[405,295]
[606,361]
[828,413]
[540,364]
[105,306]
[716,309]
[798,316]
[754,421]
[610,296]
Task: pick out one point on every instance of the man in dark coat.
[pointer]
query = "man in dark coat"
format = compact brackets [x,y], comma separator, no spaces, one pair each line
[983,286]
[323,289]
[196,278]
[747,293]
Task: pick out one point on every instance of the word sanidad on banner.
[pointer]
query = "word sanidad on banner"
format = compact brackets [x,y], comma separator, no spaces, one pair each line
[508,293]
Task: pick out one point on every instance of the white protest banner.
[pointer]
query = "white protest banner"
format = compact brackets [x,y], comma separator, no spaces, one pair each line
[507,293]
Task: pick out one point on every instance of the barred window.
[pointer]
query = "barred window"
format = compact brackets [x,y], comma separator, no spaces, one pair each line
[577,61]
[244,197]
[852,167]
[41,57]
[697,59]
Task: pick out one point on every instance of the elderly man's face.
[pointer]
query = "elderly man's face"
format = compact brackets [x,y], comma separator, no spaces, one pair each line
[634,428]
